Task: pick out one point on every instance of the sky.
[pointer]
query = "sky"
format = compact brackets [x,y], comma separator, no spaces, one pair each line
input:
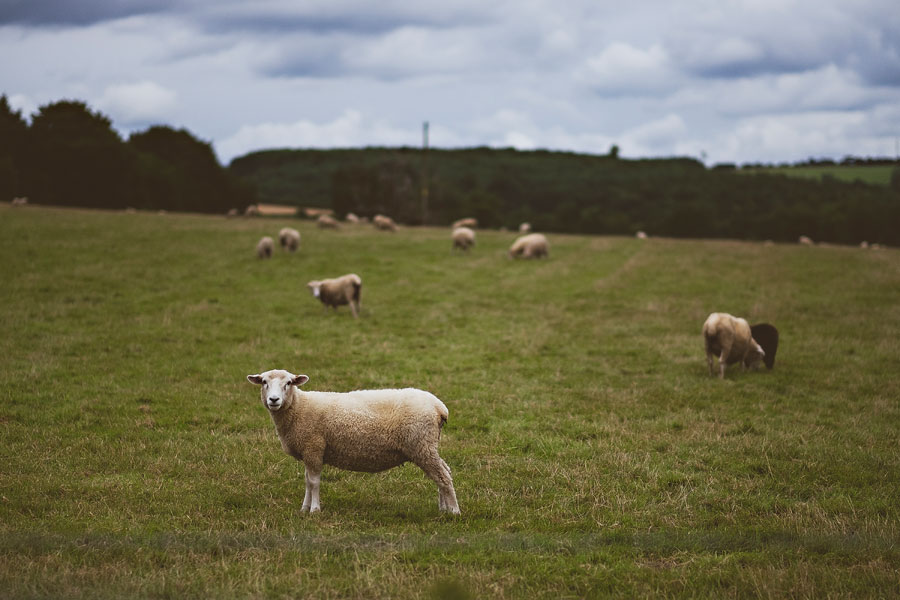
[721,81]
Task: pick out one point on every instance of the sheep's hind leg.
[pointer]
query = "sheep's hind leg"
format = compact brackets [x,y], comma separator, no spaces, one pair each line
[438,471]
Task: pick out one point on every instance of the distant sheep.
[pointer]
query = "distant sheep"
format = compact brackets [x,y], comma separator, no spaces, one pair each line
[289,238]
[251,211]
[525,228]
[351,218]
[384,223]
[21,201]
[533,245]
[641,235]
[864,244]
[804,240]
[339,291]
[265,247]
[327,222]
[232,212]
[463,238]
[364,430]
[467,222]
[731,340]
[767,337]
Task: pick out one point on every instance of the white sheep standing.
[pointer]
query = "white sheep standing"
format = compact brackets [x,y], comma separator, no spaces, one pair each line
[339,291]
[289,238]
[364,430]
[351,218]
[730,338]
[327,222]
[805,240]
[463,238]
[533,245]
[525,228]
[264,247]
[384,223]
[641,235]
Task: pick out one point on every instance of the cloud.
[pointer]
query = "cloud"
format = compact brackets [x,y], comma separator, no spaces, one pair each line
[137,103]
[82,12]
[350,129]
[622,69]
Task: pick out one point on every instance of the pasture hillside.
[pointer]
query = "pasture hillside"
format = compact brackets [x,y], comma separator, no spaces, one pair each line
[591,452]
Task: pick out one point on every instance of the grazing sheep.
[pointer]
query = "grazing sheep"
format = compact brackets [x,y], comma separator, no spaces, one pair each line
[339,291]
[804,240]
[463,238]
[525,228]
[351,218]
[232,212]
[251,211]
[533,245]
[264,247]
[864,244]
[289,238]
[767,337]
[384,223]
[364,430]
[641,235]
[21,201]
[467,222]
[730,338]
[327,222]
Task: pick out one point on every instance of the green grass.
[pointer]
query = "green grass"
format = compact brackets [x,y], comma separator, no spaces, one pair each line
[871,174]
[592,454]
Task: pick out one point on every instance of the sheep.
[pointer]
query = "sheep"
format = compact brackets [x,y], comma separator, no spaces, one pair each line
[251,211]
[351,218]
[641,235]
[20,201]
[525,228]
[766,336]
[264,247]
[731,339]
[232,212]
[864,244]
[336,292]
[327,222]
[363,430]
[533,245]
[467,222]
[384,223]
[463,238]
[806,241]
[289,238]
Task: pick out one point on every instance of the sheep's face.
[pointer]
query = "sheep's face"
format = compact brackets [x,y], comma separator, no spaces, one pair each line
[276,390]
[315,288]
[754,356]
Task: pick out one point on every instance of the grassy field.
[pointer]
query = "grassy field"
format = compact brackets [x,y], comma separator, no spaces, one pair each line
[592,454]
[872,174]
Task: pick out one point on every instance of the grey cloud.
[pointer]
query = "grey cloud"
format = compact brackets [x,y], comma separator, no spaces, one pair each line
[38,13]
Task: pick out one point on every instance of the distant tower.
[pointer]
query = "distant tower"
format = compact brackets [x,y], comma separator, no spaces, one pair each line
[425,173]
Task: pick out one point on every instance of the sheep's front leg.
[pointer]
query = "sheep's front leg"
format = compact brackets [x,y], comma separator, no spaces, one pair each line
[709,362]
[311,497]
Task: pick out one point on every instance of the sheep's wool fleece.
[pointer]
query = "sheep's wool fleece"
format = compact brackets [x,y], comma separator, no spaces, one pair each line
[365,430]
[720,328]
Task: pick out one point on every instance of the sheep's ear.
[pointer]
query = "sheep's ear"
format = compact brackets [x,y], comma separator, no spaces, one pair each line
[257,379]
[299,380]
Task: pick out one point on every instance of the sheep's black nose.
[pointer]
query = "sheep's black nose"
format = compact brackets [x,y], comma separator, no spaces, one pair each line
[273,400]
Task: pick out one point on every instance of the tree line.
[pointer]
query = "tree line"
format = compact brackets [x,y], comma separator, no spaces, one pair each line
[69,155]
[576,193]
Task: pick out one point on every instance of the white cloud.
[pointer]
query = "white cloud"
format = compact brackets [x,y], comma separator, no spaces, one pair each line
[624,69]
[137,103]
[350,129]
